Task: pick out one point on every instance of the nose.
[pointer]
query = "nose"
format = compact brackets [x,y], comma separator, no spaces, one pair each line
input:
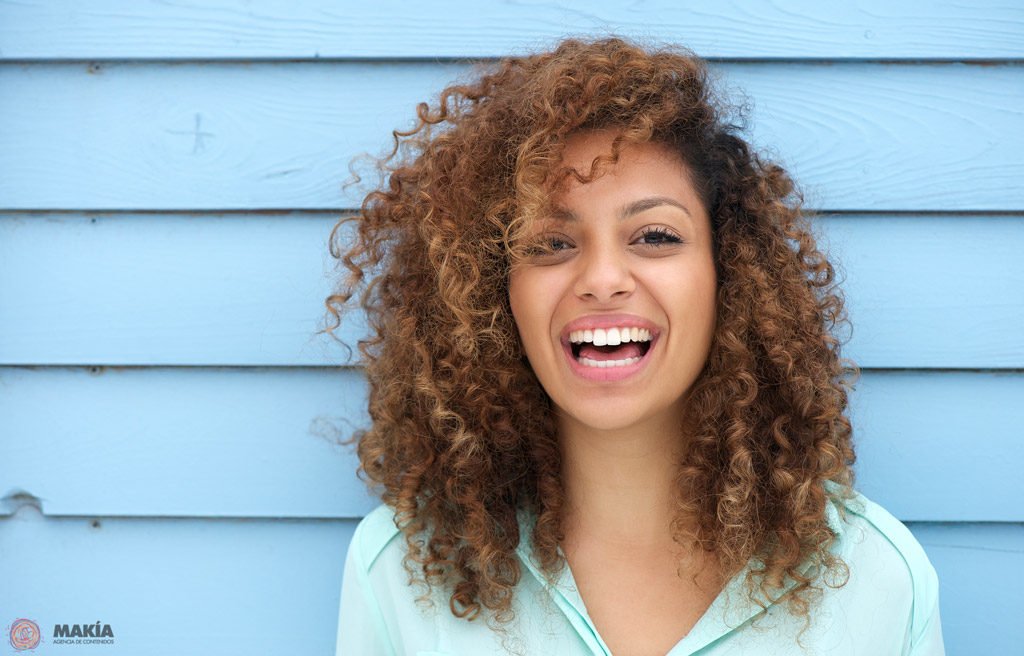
[604,274]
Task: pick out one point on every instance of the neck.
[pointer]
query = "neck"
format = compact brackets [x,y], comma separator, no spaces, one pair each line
[619,484]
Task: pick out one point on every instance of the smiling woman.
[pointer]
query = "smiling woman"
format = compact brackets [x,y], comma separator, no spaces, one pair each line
[608,410]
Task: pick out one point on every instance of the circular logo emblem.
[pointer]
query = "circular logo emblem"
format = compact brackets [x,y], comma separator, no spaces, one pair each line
[25,634]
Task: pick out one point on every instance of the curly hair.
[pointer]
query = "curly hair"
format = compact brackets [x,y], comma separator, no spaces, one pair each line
[462,433]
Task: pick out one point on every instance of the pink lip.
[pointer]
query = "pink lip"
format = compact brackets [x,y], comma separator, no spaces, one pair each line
[607,321]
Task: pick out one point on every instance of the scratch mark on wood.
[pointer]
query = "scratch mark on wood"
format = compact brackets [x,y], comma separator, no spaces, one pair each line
[18,499]
[966,547]
[278,174]
[197,133]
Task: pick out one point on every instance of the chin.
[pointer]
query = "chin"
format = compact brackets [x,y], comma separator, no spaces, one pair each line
[605,417]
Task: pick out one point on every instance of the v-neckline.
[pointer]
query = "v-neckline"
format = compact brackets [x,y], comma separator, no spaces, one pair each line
[731,609]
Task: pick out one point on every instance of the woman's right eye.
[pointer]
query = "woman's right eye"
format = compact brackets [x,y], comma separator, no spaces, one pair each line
[557,244]
[548,245]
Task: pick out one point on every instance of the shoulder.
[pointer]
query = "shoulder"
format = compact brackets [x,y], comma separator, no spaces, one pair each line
[379,612]
[878,547]
[374,533]
[378,551]
[865,518]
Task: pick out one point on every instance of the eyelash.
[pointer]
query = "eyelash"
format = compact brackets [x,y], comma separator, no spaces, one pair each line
[668,237]
[544,247]
[665,238]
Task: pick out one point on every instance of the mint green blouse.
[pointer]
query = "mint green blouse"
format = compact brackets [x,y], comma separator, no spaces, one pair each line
[890,605]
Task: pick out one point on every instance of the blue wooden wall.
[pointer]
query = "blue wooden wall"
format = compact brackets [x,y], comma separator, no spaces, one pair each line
[169,174]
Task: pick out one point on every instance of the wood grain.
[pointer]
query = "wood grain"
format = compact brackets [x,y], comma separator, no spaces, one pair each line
[240,587]
[210,442]
[248,290]
[310,29]
[274,585]
[193,483]
[202,136]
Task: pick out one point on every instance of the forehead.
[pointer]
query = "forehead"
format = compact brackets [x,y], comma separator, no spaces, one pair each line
[646,175]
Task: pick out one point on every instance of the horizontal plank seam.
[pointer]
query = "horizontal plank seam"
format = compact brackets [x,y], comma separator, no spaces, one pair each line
[297,519]
[100,368]
[910,61]
[279,211]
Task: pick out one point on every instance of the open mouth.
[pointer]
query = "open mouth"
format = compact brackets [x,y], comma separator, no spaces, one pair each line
[614,347]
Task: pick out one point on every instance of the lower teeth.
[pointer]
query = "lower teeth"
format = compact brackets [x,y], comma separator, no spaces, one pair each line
[587,362]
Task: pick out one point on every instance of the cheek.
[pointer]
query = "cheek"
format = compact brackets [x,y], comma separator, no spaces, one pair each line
[530,307]
[515,297]
[705,290]
[519,301]
[694,300]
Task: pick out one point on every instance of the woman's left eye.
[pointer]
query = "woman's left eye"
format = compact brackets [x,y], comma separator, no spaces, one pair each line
[658,236]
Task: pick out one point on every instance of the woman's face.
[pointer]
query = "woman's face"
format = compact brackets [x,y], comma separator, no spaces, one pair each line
[632,260]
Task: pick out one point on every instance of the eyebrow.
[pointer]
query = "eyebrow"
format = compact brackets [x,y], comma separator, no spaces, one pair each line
[627,210]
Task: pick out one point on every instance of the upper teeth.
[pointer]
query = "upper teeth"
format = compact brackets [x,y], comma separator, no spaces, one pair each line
[610,336]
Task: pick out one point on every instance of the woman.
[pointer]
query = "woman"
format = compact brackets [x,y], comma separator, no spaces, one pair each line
[608,413]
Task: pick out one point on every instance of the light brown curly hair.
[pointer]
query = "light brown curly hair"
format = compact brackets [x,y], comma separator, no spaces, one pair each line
[462,432]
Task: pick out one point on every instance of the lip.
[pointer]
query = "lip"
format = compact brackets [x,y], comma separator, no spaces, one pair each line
[604,374]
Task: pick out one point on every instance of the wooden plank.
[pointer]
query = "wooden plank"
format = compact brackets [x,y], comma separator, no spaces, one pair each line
[232,29]
[940,445]
[261,136]
[981,574]
[934,291]
[247,576]
[158,289]
[164,289]
[260,587]
[183,442]
[263,443]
